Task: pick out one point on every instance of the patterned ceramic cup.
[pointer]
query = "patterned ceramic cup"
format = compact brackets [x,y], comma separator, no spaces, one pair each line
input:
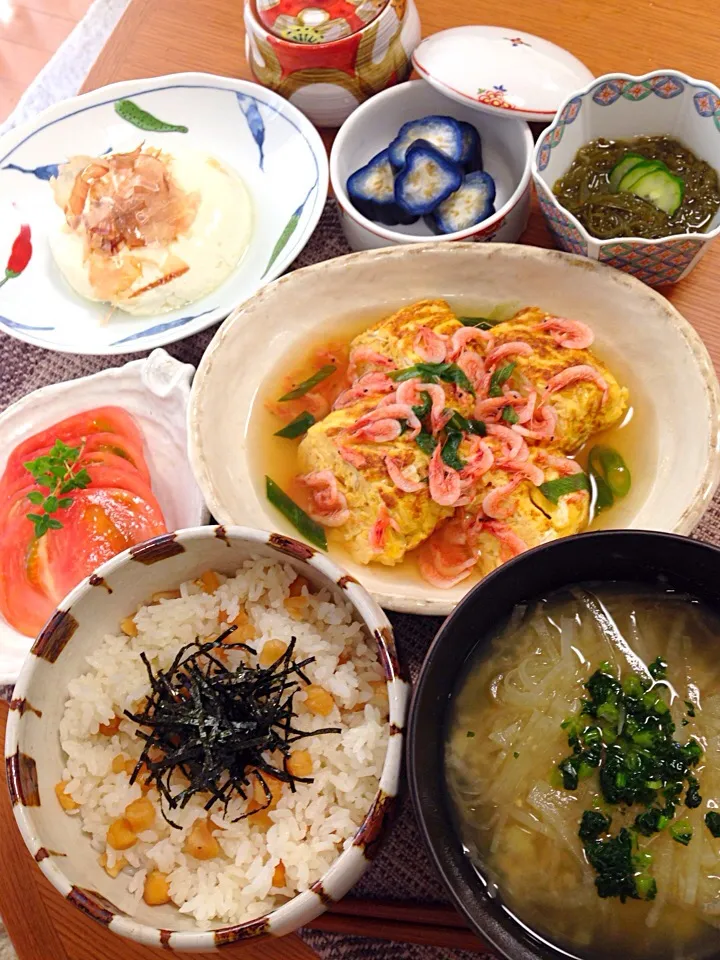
[327,79]
[619,106]
[34,756]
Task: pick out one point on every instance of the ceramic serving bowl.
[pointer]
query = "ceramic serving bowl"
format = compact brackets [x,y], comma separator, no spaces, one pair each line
[635,556]
[621,106]
[507,154]
[676,466]
[156,392]
[35,762]
[322,67]
[253,130]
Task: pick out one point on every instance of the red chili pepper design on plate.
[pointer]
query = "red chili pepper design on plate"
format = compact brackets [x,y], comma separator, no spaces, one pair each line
[19,255]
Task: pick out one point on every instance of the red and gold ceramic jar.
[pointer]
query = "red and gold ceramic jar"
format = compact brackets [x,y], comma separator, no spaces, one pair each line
[329,56]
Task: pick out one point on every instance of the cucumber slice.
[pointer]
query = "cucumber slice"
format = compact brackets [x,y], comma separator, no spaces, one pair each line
[637,172]
[624,166]
[661,188]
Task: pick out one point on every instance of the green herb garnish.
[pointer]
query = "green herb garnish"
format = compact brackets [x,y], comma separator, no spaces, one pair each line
[470,734]
[449,372]
[460,424]
[690,708]
[625,732]
[552,490]
[303,523]
[301,424]
[712,822]
[482,323]
[499,377]
[58,472]
[422,410]
[682,832]
[515,754]
[219,727]
[450,454]
[658,669]
[307,385]
[426,442]
[509,415]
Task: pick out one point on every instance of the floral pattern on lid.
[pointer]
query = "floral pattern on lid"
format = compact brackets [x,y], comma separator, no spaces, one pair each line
[317,21]
[498,71]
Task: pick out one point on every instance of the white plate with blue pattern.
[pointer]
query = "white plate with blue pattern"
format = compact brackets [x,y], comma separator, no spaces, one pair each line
[274,148]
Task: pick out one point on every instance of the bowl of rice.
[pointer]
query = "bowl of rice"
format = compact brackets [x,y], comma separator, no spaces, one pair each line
[205,742]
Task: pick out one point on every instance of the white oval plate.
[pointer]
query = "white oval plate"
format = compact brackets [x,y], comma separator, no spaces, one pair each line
[500,70]
[274,148]
[156,391]
[635,327]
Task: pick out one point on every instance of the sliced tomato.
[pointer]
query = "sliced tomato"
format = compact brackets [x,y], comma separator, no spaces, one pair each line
[110,471]
[24,602]
[99,524]
[35,574]
[114,424]
[116,510]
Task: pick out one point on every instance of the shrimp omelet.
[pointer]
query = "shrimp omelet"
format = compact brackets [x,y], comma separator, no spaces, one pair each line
[456,441]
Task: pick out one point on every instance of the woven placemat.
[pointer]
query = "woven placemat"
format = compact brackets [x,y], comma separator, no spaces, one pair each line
[402,871]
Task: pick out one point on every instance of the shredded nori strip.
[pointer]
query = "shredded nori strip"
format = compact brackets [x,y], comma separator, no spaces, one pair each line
[218,726]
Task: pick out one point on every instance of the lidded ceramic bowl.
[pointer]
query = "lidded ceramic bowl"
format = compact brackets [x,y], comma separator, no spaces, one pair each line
[328,57]
[621,106]
[492,78]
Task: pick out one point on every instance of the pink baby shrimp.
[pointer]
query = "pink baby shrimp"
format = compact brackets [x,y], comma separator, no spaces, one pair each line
[568,333]
[400,478]
[581,372]
[430,346]
[444,482]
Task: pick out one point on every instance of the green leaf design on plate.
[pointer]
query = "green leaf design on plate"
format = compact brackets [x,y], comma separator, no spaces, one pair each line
[284,237]
[140,118]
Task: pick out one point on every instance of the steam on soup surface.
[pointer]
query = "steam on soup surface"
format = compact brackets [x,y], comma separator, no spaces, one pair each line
[583,758]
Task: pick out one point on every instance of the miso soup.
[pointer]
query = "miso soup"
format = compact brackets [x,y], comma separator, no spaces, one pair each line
[583,759]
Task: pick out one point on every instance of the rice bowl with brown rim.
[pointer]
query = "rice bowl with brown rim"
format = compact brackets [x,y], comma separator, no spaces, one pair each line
[261,865]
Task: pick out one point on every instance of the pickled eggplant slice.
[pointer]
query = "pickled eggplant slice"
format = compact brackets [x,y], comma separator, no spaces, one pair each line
[625,165]
[471,159]
[472,203]
[444,133]
[427,178]
[372,192]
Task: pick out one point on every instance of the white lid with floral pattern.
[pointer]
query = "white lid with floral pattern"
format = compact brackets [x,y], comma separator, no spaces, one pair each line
[500,70]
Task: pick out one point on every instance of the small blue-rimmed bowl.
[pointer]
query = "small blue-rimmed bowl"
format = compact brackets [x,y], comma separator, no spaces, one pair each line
[621,106]
[261,135]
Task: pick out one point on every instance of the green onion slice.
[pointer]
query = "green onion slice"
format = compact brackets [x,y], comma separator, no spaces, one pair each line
[302,522]
[307,385]
[607,463]
[301,424]
[554,489]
